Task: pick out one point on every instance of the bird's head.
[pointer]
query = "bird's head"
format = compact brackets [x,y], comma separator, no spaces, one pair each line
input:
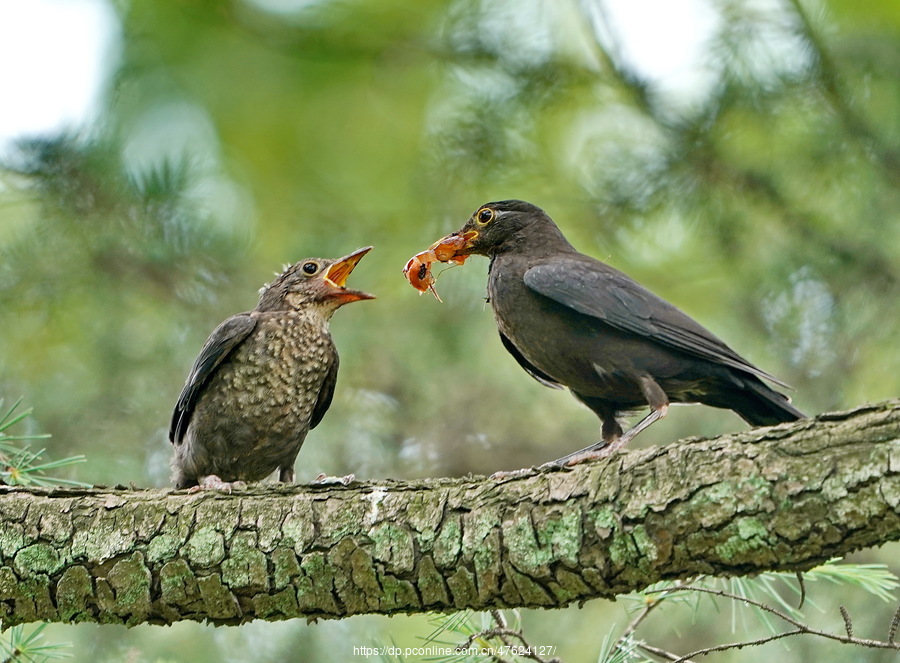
[500,226]
[314,282]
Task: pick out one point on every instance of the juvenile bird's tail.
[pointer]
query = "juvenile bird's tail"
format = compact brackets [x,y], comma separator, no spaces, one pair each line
[758,404]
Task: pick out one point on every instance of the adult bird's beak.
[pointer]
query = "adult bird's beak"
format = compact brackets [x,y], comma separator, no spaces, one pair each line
[336,277]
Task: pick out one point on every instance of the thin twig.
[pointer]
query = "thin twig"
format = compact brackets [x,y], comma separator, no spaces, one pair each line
[501,622]
[662,653]
[800,626]
[482,635]
[499,619]
[505,635]
[632,627]
[848,623]
[738,645]
[642,615]
[895,624]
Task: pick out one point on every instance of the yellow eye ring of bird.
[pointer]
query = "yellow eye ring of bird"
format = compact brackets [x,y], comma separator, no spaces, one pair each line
[484,216]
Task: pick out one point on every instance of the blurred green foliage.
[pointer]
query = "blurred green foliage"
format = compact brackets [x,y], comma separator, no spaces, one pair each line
[20,463]
[238,136]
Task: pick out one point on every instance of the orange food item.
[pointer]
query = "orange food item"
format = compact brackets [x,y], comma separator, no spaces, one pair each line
[445,249]
[418,269]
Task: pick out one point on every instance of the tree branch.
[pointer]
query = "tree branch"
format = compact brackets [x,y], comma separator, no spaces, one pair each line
[788,497]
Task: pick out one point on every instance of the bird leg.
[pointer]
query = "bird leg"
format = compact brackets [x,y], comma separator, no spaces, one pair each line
[601,449]
[644,423]
[611,429]
[613,437]
[659,408]
[613,440]
[605,448]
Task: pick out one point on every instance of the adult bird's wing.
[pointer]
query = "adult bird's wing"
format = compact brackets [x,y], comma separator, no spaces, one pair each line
[532,370]
[225,338]
[593,288]
[326,393]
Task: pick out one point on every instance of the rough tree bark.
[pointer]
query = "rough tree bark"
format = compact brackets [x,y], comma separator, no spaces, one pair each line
[787,497]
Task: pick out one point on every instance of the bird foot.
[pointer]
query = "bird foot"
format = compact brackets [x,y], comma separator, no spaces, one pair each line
[325,480]
[512,474]
[603,449]
[213,482]
[596,452]
[534,469]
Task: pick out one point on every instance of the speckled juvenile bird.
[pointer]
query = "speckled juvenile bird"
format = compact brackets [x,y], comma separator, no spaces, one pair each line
[263,380]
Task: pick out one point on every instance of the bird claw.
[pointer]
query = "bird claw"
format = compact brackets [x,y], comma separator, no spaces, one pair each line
[213,482]
[584,456]
[598,451]
[525,471]
[552,465]
[512,474]
[325,480]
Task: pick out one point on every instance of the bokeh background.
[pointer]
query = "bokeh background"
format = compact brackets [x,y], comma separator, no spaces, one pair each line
[741,158]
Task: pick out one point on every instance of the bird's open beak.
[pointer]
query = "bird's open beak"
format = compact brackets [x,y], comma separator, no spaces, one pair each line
[337,274]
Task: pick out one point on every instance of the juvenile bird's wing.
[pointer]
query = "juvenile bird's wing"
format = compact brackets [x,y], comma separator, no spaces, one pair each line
[326,393]
[531,369]
[595,289]
[225,338]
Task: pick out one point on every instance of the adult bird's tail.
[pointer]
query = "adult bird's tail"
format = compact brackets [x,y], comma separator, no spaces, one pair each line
[758,404]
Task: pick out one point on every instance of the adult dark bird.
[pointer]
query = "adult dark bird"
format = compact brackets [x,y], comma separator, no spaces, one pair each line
[263,380]
[573,321]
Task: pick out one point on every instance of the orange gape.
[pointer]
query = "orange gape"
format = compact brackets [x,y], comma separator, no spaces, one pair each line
[446,249]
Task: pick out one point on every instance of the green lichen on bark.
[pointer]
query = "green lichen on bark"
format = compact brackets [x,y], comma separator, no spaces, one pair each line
[74,595]
[393,545]
[285,567]
[396,594]
[37,558]
[431,585]
[462,588]
[130,580]
[280,605]
[205,547]
[246,566]
[218,601]
[315,588]
[178,584]
[787,497]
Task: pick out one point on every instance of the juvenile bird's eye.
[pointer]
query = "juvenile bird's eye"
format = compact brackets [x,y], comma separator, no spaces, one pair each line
[310,268]
[484,215]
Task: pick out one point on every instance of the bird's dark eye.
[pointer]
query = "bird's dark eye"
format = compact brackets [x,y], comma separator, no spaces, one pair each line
[310,268]
[484,215]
